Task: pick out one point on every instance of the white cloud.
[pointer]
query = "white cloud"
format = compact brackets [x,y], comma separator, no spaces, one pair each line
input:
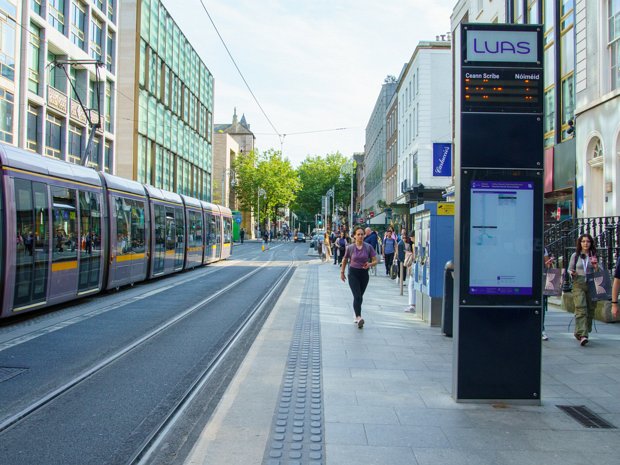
[312,65]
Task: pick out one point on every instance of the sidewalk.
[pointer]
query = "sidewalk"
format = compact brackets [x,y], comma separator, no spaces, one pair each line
[386,391]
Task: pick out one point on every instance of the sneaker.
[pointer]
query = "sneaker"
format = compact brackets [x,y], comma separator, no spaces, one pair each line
[544,336]
[360,324]
[583,341]
[410,309]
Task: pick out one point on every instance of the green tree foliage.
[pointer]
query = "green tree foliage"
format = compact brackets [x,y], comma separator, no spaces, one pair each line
[318,175]
[271,173]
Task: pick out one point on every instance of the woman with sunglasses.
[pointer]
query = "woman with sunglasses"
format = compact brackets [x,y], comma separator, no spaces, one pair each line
[583,262]
[361,257]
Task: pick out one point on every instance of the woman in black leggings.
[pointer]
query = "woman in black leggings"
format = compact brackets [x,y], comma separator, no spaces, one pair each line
[361,257]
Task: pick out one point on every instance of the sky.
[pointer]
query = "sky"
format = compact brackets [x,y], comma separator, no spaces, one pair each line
[315,66]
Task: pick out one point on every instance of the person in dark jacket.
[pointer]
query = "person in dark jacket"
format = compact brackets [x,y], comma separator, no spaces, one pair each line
[371,238]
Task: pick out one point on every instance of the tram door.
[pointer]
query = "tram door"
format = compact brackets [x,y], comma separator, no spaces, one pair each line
[65,242]
[159,248]
[32,253]
[90,241]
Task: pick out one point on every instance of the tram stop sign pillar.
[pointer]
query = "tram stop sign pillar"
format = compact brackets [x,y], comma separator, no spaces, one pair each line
[499,213]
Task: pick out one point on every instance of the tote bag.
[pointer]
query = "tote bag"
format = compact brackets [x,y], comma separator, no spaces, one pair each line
[599,284]
[553,278]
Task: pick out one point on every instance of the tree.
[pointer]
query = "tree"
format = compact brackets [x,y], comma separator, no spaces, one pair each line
[271,173]
[318,175]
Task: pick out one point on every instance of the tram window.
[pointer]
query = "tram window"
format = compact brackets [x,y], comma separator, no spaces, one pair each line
[90,222]
[31,267]
[194,229]
[171,229]
[212,229]
[227,230]
[180,238]
[64,215]
[123,212]
[137,226]
[160,227]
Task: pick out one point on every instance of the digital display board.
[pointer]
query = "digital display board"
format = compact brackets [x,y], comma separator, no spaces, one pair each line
[502,89]
[501,238]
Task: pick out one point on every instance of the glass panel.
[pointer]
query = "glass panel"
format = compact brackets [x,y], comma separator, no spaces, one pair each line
[56,17]
[227,230]
[33,128]
[64,224]
[34,63]
[53,130]
[160,239]
[78,23]
[123,214]
[32,252]
[90,247]
[179,247]
[138,230]
[6,116]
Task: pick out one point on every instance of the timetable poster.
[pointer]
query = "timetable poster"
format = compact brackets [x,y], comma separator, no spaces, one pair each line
[501,238]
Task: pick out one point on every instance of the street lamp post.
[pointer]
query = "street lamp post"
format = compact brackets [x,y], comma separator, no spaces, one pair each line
[349,167]
[261,192]
[228,172]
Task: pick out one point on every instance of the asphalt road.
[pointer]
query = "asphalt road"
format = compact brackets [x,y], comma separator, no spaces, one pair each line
[107,417]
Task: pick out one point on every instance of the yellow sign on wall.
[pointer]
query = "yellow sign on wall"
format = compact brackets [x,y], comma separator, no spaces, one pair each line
[445,208]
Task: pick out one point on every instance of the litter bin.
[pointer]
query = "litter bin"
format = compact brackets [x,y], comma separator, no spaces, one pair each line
[448,294]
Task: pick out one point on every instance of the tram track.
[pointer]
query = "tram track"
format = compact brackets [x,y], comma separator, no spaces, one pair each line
[150,446]
[22,414]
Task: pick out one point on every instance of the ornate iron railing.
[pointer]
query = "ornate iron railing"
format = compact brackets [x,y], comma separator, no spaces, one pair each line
[561,238]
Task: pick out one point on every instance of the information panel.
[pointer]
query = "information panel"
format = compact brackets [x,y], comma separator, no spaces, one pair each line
[502,89]
[501,238]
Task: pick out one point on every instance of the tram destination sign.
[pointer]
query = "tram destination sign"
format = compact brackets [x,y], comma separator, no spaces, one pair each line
[501,69]
[502,89]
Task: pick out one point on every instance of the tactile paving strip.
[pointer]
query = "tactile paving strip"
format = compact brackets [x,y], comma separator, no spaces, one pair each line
[297,430]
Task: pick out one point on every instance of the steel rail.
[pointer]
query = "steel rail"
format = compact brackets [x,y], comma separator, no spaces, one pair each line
[11,420]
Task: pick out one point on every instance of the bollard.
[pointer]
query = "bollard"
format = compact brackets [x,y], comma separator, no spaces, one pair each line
[447,303]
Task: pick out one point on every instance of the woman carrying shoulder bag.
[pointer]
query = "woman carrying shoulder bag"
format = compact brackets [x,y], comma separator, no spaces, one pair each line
[582,262]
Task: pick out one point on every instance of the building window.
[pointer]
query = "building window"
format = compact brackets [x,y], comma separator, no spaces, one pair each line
[53,136]
[549,117]
[532,11]
[35,5]
[111,10]
[55,13]
[96,39]
[78,23]
[33,132]
[76,141]
[35,63]
[568,104]
[99,4]
[109,158]
[7,48]
[52,81]
[109,51]
[614,42]
[6,116]
[108,107]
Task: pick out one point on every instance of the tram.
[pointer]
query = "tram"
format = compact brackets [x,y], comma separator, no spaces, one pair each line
[67,231]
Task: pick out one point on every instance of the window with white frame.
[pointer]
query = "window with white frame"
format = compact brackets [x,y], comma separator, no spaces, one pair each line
[96,39]
[614,42]
[56,14]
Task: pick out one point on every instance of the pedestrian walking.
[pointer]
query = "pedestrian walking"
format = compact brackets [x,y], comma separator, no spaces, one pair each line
[327,247]
[360,256]
[242,235]
[341,246]
[548,261]
[614,291]
[389,248]
[410,262]
[582,262]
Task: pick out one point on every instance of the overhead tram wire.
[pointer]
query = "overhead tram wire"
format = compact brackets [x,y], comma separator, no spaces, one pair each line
[281,136]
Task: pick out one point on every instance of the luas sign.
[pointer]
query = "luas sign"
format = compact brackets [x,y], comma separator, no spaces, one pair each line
[502,46]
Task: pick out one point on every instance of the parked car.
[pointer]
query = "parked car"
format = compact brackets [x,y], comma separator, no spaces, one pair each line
[300,237]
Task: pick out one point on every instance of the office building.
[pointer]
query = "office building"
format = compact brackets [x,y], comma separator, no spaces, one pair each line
[58,78]
[165,103]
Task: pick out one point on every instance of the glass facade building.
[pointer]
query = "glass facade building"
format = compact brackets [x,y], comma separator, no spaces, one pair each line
[169,144]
